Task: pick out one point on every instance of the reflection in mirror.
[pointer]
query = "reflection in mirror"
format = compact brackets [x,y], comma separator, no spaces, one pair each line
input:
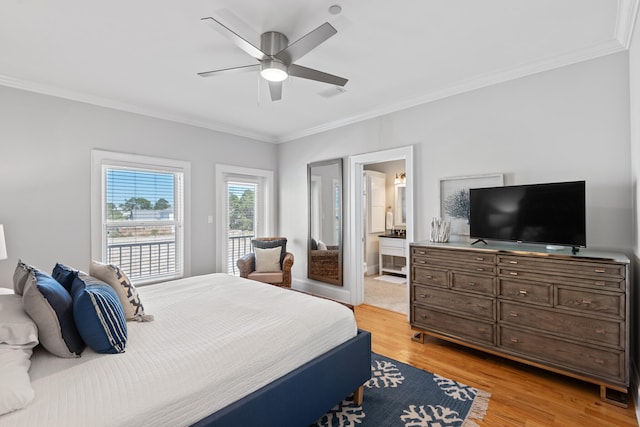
[325,221]
[401,205]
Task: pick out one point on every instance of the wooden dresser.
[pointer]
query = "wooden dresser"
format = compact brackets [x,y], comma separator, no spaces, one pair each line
[554,310]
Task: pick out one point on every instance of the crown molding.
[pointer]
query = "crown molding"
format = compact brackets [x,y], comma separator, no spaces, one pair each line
[482,81]
[626,21]
[122,106]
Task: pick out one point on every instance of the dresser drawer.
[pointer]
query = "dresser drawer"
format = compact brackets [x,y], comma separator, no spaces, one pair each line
[429,276]
[474,283]
[450,324]
[609,303]
[597,362]
[446,257]
[539,293]
[541,276]
[568,268]
[455,302]
[572,326]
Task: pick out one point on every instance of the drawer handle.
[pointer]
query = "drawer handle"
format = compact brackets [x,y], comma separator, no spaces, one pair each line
[513,262]
[423,316]
[422,253]
[421,261]
[599,270]
[483,331]
[479,269]
[522,292]
[513,314]
[422,296]
[515,340]
[429,277]
[586,301]
[472,284]
[481,307]
[600,330]
[597,283]
[479,259]
[599,361]
[513,273]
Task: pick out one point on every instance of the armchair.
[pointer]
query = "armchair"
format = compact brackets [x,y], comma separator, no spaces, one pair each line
[247,263]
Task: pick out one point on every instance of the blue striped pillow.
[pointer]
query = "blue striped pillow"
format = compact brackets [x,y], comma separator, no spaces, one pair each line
[98,314]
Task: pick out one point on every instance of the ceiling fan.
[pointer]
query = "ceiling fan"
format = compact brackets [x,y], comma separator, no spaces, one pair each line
[276,56]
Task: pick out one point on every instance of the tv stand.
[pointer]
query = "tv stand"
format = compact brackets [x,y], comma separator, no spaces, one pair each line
[569,314]
[478,241]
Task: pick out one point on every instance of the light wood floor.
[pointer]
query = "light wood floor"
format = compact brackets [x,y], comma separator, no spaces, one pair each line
[520,395]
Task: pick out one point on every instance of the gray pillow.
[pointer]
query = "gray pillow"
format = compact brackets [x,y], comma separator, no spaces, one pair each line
[20,276]
[50,306]
[268,244]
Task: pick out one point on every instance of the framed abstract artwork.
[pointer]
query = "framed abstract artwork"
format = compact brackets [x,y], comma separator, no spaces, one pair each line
[454,200]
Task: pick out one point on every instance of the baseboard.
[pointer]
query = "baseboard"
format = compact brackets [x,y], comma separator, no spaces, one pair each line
[333,292]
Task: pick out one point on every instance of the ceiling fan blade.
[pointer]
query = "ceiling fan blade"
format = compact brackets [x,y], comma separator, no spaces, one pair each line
[235,38]
[234,70]
[306,43]
[311,74]
[275,89]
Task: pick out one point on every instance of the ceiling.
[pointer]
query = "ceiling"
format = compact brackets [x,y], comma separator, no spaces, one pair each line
[142,56]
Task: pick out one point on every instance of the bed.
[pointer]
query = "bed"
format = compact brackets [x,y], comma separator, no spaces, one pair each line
[222,351]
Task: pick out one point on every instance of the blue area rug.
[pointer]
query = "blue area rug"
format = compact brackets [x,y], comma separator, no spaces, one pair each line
[400,395]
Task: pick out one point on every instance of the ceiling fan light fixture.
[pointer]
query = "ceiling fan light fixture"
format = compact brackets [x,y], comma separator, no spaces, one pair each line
[274,71]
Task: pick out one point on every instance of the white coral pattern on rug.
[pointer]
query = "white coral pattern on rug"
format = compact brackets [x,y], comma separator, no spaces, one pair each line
[384,374]
[345,414]
[455,390]
[430,416]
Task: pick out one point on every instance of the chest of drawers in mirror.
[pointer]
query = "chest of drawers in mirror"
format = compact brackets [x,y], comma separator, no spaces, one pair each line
[563,312]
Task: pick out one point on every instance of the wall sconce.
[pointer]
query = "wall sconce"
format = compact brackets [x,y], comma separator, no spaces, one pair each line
[400,178]
[3,246]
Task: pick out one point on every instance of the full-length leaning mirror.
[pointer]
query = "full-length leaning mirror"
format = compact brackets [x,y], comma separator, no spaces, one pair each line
[325,221]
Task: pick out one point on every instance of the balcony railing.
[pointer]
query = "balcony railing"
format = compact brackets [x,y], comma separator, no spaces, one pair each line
[144,259]
[157,257]
[237,246]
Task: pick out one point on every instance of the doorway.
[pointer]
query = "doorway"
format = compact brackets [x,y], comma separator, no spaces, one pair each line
[384,234]
[357,207]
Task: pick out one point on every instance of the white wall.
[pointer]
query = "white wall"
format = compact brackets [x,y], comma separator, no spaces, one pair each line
[45,161]
[566,124]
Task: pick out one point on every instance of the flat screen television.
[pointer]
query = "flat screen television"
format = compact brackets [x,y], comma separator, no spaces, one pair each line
[552,214]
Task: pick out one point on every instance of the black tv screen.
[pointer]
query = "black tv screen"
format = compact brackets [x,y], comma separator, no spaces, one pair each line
[551,214]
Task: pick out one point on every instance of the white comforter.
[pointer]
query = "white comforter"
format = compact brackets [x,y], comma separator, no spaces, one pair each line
[215,339]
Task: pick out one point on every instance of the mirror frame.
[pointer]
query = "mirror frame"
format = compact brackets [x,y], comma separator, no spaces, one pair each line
[339,280]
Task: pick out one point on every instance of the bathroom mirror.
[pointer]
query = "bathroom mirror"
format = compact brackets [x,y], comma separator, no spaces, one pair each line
[324,251]
[401,205]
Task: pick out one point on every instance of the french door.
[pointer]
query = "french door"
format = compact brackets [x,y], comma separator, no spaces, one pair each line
[245,211]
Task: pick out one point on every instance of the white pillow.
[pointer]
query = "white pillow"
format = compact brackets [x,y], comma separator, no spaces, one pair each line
[322,246]
[15,385]
[268,260]
[17,329]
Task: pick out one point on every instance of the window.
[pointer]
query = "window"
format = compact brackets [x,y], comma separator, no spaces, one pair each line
[245,211]
[138,214]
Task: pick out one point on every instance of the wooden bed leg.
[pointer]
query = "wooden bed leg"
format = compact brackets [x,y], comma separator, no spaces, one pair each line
[358,395]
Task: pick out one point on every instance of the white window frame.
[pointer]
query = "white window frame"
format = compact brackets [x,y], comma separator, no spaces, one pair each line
[266,214]
[101,159]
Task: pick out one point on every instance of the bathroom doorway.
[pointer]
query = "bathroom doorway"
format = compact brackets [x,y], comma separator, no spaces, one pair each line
[385,269]
[366,273]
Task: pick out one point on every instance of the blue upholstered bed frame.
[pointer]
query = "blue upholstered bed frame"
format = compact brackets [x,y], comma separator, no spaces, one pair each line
[301,397]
